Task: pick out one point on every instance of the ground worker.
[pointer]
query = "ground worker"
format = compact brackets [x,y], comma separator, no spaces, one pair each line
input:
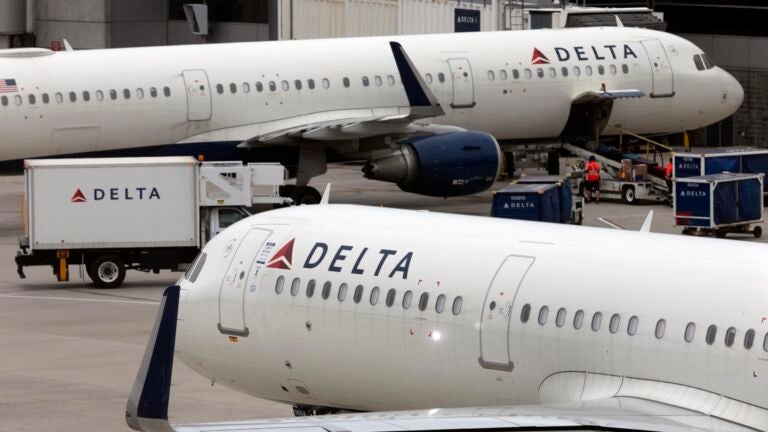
[668,178]
[592,183]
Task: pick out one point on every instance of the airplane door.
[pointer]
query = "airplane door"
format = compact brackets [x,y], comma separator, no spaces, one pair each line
[497,311]
[232,291]
[663,80]
[463,83]
[198,95]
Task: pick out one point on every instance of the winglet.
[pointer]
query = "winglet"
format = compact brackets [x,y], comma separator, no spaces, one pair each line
[618,21]
[421,99]
[67,46]
[326,195]
[647,224]
[147,407]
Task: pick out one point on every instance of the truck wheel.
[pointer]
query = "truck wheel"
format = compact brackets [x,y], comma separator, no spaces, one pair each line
[628,195]
[306,195]
[107,271]
[720,233]
[758,232]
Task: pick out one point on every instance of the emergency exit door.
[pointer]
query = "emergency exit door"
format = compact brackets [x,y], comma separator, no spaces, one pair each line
[198,95]
[661,68]
[497,313]
[232,291]
[463,83]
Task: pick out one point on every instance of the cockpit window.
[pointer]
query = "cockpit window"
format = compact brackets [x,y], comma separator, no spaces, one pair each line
[707,61]
[699,62]
[196,268]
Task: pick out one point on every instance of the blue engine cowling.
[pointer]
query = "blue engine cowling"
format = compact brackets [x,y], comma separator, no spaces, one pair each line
[454,164]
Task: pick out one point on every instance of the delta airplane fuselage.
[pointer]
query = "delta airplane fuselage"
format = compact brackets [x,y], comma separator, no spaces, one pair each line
[375,309]
[211,98]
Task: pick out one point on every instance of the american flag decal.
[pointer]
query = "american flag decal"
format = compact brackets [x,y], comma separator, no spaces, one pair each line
[8,86]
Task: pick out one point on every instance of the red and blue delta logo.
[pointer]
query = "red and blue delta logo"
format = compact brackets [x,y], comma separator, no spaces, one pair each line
[78,196]
[538,57]
[283,258]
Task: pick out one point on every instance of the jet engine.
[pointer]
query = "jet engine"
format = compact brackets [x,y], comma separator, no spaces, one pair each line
[454,164]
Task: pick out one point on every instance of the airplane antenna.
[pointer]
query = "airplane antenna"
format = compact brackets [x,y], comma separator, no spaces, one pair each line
[326,195]
[67,46]
[647,224]
[618,21]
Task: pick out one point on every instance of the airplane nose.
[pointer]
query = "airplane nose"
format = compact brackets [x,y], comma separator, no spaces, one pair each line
[733,92]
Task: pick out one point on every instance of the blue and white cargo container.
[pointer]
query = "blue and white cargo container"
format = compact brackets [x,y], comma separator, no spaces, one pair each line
[704,162]
[533,202]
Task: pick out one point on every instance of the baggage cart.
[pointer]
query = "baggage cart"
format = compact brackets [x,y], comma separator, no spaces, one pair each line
[533,202]
[565,193]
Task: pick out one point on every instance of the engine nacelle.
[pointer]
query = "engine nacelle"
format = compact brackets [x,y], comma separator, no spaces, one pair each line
[454,164]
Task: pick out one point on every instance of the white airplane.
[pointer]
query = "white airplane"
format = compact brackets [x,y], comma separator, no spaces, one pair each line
[296,102]
[337,308]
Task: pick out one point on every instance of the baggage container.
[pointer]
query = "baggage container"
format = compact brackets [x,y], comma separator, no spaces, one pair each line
[718,160]
[719,203]
[571,208]
[533,202]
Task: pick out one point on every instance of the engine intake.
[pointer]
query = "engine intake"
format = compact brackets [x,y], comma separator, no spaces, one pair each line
[454,164]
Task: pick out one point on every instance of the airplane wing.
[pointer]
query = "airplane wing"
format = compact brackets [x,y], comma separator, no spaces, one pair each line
[147,407]
[339,125]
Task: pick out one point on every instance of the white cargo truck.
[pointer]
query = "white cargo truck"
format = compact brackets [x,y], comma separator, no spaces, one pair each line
[148,214]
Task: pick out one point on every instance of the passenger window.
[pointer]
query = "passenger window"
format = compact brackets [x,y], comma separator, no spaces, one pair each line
[456,309]
[749,339]
[153,92]
[560,317]
[612,68]
[272,86]
[378,81]
[374,296]
[540,72]
[86,96]
[326,290]
[198,267]
[576,71]
[284,84]
[491,76]
[232,88]
[140,93]
[440,303]
[613,326]
[391,294]
[625,69]
[690,332]
[543,315]
[32,99]
[326,83]
[423,301]
[661,326]
[219,89]
[515,74]
[552,72]
[578,319]
[503,75]
[441,77]
[279,285]
[345,81]
[295,286]
[246,87]
[4,100]
[311,288]
[407,299]
[601,69]
[167,91]
[765,343]
[564,71]
[365,81]
[59,98]
[632,326]
[528,74]
[311,84]
[358,294]
[99,95]
[730,336]
[46,99]
[17,100]
[72,97]
[390,80]
[711,334]
[588,70]
[342,292]
[525,313]
[259,86]
[297,84]
[597,320]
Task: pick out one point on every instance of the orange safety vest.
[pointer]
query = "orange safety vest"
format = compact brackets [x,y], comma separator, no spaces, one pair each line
[669,170]
[593,171]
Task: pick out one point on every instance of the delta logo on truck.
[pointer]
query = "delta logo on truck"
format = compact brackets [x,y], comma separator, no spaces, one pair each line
[117,194]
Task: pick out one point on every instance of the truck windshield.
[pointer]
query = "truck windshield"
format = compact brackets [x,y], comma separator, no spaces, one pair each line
[228,217]
[196,268]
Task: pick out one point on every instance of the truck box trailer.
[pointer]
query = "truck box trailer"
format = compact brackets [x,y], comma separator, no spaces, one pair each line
[148,214]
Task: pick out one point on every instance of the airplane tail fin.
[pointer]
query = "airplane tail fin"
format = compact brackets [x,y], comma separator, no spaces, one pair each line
[147,407]
[420,97]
